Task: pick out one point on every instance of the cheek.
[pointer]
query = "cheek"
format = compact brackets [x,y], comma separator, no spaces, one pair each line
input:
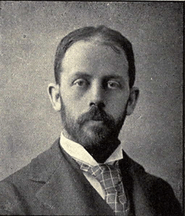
[76,100]
[72,106]
[117,105]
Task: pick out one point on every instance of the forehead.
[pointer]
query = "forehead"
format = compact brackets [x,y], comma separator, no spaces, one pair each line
[95,56]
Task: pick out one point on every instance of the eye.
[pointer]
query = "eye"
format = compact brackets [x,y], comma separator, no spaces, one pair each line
[80,82]
[113,84]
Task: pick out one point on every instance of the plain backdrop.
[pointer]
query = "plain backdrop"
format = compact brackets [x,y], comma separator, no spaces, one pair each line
[30,33]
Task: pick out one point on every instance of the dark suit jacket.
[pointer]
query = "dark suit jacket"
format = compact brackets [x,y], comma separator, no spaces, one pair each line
[52,184]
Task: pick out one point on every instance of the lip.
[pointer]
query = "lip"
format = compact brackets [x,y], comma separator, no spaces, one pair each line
[95,122]
[97,118]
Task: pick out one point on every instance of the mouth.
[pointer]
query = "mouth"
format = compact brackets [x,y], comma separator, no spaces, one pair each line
[97,118]
[95,123]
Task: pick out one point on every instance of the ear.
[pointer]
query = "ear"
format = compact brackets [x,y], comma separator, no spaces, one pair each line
[134,94]
[54,96]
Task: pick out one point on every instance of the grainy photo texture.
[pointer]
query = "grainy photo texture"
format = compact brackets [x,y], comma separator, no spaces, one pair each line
[91,108]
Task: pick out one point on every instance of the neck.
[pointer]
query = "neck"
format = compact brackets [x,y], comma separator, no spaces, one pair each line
[99,151]
[104,151]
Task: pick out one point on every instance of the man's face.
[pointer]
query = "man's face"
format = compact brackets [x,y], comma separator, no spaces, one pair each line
[94,93]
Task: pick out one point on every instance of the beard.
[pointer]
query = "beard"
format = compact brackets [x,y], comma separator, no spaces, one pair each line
[101,137]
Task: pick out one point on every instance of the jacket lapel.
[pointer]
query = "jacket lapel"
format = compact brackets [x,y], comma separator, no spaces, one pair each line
[136,187]
[66,191]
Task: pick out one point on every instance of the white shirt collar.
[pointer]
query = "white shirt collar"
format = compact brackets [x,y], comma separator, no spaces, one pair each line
[78,152]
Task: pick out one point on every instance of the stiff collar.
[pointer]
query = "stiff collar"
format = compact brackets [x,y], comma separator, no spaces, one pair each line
[78,152]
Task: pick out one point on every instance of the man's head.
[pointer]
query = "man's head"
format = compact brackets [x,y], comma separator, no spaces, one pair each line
[95,72]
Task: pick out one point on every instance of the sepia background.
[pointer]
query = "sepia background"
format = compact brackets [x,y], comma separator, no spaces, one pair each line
[30,33]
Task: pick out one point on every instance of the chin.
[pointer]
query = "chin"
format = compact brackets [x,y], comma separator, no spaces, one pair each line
[95,138]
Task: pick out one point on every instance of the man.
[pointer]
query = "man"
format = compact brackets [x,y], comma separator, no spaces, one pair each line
[86,172]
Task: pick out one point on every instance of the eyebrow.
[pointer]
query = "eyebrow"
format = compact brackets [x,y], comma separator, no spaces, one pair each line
[81,74]
[113,77]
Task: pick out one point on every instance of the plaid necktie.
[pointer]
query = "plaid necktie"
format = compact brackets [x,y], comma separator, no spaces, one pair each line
[110,179]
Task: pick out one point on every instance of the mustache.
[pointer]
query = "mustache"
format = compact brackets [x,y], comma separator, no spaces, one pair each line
[96,114]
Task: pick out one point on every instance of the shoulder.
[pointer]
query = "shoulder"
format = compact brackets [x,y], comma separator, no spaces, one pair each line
[146,179]
[18,190]
[160,195]
[152,184]
[158,192]
[12,190]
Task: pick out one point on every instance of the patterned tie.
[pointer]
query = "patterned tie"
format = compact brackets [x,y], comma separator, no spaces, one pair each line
[110,179]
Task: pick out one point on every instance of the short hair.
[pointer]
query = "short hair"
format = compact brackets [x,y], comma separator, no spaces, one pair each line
[108,35]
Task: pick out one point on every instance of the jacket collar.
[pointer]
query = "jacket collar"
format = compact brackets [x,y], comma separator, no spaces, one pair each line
[65,190]
[134,181]
[63,179]
[45,164]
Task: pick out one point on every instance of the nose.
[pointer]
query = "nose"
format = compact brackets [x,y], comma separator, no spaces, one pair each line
[97,96]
